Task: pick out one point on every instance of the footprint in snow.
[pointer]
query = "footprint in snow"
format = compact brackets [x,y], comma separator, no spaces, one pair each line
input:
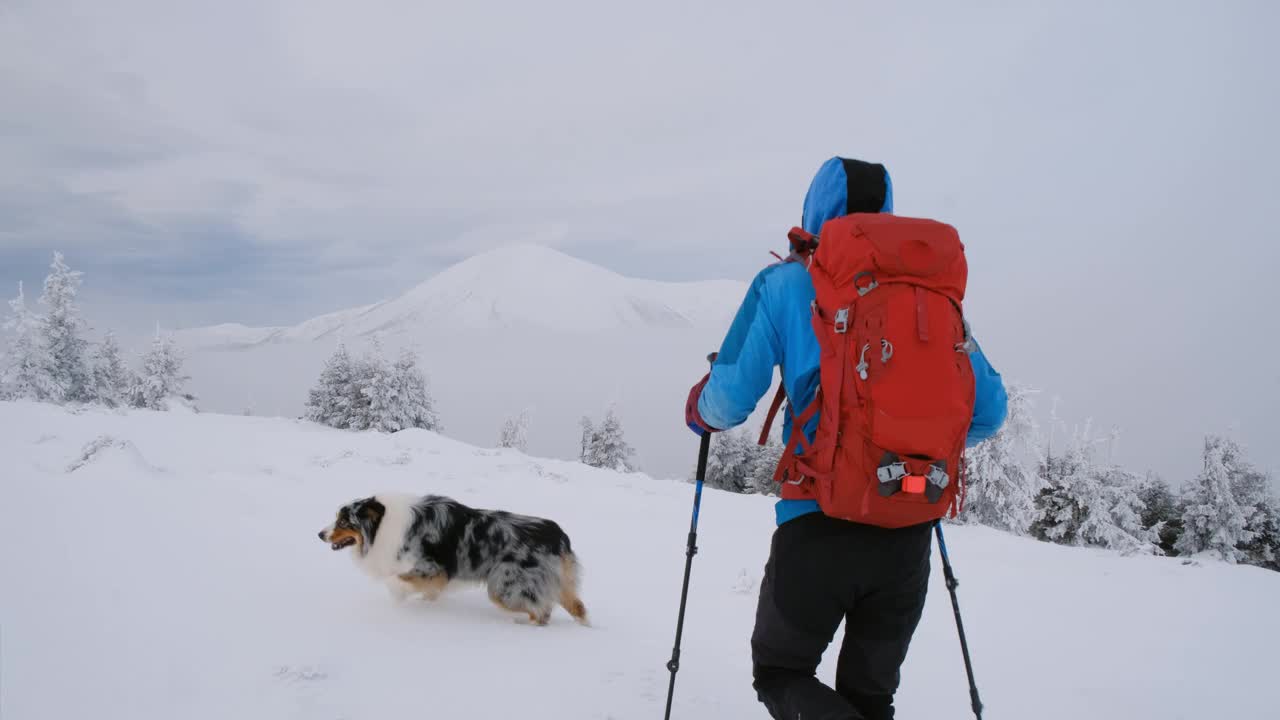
[305,673]
[305,694]
[745,584]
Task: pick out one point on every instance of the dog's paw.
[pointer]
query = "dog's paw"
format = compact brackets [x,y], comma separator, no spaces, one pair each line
[533,620]
[399,593]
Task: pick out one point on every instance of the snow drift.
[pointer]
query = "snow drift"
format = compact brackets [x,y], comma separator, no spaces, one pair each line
[162,565]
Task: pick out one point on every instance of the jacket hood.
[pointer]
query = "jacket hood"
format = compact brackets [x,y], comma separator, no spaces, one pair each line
[843,186]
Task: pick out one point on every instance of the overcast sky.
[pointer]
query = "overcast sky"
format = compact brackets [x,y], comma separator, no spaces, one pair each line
[1112,167]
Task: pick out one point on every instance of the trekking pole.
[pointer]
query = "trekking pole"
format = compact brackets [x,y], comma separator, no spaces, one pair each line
[952,583]
[691,549]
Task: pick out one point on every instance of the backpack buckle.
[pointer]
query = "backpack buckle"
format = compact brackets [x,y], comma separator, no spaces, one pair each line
[842,320]
[892,472]
[938,481]
[938,475]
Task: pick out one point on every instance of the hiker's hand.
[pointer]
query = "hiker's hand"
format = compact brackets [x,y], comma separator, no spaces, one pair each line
[691,416]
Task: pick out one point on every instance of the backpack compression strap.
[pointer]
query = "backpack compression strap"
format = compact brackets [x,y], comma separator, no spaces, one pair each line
[773,412]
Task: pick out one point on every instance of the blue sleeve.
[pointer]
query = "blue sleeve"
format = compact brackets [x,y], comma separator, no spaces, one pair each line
[991,402]
[743,370]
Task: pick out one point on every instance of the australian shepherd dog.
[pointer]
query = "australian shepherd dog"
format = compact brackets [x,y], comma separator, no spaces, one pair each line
[421,544]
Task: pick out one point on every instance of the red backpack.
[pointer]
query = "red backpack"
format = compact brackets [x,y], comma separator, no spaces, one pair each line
[896,388]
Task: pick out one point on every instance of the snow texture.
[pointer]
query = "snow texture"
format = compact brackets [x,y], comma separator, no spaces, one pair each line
[176,573]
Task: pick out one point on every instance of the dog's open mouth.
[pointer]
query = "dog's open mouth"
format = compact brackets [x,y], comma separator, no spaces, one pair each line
[342,542]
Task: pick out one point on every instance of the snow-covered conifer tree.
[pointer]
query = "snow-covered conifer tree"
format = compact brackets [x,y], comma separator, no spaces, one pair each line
[373,398]
[333,399]
[112,379]
[1114,519]
[1214,522]
[1254,491]
[1057,510]
[764,464]
[1088,503]
[1217,519]
[730,463]
[1001,471]
[586,454]
[60,331]
[1161,511]
[1263,549]
[737,463]
[515,432]
[24,374]
[161,377]
[608,447]
[411,403]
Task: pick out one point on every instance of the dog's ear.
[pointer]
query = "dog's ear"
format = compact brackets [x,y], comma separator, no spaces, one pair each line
[369,509]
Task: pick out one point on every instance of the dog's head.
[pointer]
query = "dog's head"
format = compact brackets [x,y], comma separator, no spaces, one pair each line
[356,524]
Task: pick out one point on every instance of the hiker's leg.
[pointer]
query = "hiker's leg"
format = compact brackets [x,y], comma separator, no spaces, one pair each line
[796,617]
[878,630]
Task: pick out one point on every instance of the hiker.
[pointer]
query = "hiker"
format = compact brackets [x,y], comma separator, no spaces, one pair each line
[824,569]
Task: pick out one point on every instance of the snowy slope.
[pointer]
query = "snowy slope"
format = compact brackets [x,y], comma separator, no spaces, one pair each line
[535,327]
[235,336]
[533,286]
[175,572]
[520,285]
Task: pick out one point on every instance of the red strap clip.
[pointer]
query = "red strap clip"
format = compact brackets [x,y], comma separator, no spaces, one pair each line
[803,242]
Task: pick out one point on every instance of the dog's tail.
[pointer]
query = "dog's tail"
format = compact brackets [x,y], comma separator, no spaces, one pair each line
[569,599]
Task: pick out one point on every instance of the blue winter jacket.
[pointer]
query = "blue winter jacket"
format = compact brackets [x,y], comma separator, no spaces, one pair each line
[772,327]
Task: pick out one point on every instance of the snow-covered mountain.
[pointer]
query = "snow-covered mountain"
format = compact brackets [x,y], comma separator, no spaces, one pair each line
[166,565]
[524,286]
[521,326]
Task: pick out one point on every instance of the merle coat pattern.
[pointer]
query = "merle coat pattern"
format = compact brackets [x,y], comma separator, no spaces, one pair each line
[421,544]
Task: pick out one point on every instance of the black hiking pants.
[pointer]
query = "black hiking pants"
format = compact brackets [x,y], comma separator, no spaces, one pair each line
[820,571]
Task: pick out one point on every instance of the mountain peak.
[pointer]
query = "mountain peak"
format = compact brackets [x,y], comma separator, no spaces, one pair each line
[524,251]
[520,263]
[521,284]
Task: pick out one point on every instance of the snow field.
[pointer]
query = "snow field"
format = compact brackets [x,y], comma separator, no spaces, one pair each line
[163,565]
